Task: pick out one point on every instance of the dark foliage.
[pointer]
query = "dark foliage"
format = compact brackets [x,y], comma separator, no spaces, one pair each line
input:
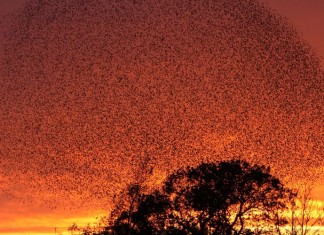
[224,198]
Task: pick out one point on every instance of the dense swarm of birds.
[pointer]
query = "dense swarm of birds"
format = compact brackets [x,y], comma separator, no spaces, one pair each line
[96,94]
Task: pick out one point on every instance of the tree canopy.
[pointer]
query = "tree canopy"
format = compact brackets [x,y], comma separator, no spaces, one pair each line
[224,198]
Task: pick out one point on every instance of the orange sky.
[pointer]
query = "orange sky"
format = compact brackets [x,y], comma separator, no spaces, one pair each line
[54,152]
[307,16]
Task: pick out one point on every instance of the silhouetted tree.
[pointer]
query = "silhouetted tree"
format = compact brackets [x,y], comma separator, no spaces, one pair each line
[225,198]
[73,228]
[305,216]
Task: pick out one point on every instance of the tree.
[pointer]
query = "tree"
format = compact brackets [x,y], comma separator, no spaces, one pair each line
[304,215]
[73,228]
[225,198]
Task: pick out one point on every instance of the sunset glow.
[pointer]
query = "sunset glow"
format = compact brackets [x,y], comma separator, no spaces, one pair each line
[95,95]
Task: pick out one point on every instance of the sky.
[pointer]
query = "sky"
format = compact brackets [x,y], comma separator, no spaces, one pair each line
[307,17]
[60,114]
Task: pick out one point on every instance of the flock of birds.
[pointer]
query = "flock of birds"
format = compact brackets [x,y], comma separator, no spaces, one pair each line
[96,94]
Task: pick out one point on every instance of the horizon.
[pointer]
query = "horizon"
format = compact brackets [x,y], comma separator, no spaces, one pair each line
[61,127]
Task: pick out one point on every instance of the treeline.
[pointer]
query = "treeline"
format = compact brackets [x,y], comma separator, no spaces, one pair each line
[222,198]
